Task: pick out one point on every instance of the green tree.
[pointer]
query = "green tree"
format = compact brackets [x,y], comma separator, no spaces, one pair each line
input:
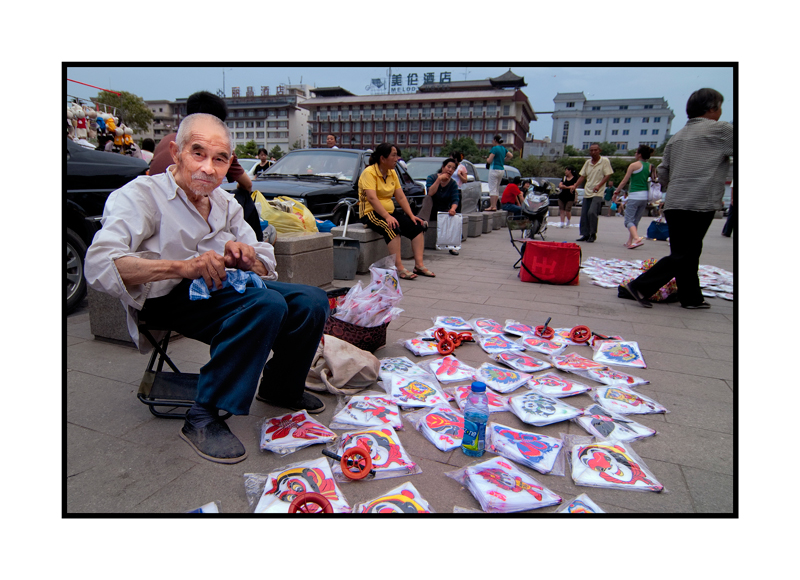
[659,151]
[570,151]
[130,108]
[249,149]
[276,152]
[607,148]
[467,147]
[296,145]
[409,154]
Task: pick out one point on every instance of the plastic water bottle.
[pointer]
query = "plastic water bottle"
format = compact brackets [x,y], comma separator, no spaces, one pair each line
[476,415]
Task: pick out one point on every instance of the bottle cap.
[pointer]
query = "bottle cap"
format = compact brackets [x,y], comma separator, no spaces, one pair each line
[479,387]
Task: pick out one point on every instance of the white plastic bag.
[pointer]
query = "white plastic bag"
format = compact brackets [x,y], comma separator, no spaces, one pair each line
[448,232]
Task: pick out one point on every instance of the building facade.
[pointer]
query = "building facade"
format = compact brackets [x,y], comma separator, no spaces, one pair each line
[542,148]
[268,119]
[626,122]
[426,119]
[165,121]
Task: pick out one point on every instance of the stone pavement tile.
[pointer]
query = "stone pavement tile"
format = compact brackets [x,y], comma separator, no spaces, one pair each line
[472,287]
[187,349]
[119,484]
[697,412]
[667,345]
[661,330]
[74,340]
[104,405]
[79,317]
[707,325]
[459,296]
[121,363]
[711,492]
[719,352]
[549,306]
[87,448]
[683,445]
[686,385]
[80,330]
[692,365]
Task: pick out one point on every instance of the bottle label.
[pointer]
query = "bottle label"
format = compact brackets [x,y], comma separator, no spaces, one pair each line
[474,435]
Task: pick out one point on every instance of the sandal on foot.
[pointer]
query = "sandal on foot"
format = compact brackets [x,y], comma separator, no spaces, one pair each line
[424,272]
[406,275]
[637,243]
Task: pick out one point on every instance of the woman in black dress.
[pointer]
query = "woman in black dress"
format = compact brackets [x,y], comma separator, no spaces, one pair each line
[567,196]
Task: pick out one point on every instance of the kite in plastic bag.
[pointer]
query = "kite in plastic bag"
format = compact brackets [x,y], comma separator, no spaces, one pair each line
[389,459]
[538,452]
[542,345]
[399,365]
[500,487]
[496,402]
[538,410]
[451,370]
[443,426]
[500,379]
[486,326]
[609,376]
[626,402]
[552,385]
[413,391]
[611,464]
[518,328]
[581,505]
[574,362]
[606,425]
[293,431]
[594,340]
[401,500]
[367,411]
[520,362]
[455,323]
[308,477]
[421,347]
[495,344]
[614,352]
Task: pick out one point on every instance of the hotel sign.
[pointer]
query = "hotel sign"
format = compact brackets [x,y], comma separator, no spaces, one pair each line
[394,84]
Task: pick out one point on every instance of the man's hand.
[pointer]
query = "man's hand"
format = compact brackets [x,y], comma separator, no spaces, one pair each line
[209,266]
[239,255]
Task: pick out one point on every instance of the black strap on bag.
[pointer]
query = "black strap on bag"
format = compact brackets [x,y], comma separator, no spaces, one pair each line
[535,277]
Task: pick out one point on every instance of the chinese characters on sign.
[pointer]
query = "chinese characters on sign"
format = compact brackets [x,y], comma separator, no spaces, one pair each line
[396,85]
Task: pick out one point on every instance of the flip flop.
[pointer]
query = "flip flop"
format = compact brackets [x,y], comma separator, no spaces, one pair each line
[406,275]
[424,272]
[636,244]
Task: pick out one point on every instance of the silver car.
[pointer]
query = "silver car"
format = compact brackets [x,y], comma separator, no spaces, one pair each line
[421,167]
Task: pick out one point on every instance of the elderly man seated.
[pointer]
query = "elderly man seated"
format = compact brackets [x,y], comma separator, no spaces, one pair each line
[171,238]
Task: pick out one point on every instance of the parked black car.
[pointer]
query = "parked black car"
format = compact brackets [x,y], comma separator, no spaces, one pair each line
[91,177]
[326,181]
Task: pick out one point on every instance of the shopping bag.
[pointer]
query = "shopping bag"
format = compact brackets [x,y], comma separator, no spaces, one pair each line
[448,231]
[658,230]
[551,263]
[653,192]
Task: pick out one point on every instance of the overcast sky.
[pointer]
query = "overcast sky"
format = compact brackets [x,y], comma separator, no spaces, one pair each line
[675,84]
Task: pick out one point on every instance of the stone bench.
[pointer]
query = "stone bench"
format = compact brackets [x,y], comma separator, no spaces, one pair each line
[305,259]
[474,225]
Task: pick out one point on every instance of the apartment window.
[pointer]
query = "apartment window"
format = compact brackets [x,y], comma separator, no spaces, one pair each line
[586,144]
[251,113]
[464,110]
[250,135]
[464,125]
[401,138]
[595,108]
[491,110]
[627,119]
[356,139]
[272,125]
[570,104]
[622,146]
[450,136]
[259,124]
[451,125]
[487,138]
[645,119]
[598,121]
[597,132]
[437,138]
[240,124]
[643,132]
[346,126]
[437,111]
[565,133]
[426,137]
[426,125]
[625,132]
[273,113]
[614,131]
[439,126]
[259,134]
[379,125]
[504,124]
[390,126]
[414,138]
[451,111]
[587,122]
[476,137]
[506,110]
[587,132]
[283,114]
[378,138]
[389,137]
[401,126]
[239,135]
[623,107]
[357,126]
[477,125]
[334,126]
[656,119]
[648,106]
[367,139]
[250,124]
[491,125]
[414,126]
[615,120]
[323,127]
[367,126]
[654,132]
[230,124]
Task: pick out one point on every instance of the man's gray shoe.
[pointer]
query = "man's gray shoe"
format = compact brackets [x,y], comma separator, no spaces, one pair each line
[644,302]
[214,442]
[308,402]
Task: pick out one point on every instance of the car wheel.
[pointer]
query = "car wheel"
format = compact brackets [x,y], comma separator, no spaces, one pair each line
[339,217]
[75,280]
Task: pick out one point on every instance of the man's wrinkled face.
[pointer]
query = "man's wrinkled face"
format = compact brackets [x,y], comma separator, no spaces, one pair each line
[204,160]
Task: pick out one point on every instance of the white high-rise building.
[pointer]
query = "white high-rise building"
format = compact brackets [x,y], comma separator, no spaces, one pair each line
[626,122]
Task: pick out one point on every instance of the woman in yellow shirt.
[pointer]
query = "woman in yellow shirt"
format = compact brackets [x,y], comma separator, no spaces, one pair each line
[377,186]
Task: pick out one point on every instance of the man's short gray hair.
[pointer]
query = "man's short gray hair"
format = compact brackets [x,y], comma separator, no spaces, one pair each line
[185,129]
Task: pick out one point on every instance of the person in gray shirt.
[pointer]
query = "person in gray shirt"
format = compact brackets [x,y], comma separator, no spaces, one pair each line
[692,173]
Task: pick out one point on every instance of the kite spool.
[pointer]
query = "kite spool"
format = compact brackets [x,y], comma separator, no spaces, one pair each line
[356,462]
[310,503]
[580,334]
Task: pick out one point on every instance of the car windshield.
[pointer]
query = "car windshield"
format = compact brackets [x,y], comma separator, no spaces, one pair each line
[247,164]
[483,173]
[421,168]
[325,162]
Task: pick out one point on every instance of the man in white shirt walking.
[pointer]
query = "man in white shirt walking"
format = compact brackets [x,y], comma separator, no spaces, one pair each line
[595,172]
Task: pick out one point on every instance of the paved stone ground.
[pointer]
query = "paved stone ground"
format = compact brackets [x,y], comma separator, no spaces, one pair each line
[121,459]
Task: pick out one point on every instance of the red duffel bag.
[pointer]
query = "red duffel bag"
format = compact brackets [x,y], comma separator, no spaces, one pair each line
[551,263]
